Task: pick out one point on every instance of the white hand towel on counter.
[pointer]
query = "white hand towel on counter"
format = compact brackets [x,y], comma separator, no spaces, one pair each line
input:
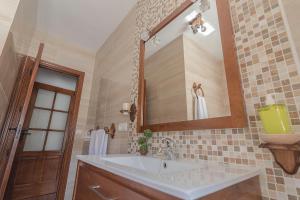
[98,142]
[200,108]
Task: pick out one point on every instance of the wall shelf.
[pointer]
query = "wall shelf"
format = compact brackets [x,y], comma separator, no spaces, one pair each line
[287,156]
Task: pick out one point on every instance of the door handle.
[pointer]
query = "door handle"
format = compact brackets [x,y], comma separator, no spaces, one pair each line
[23,131]
[16,128]
[13,129]
[95,188]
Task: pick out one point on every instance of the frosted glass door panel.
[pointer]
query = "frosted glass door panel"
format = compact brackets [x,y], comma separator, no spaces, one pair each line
[40,119]
[35,141]
[62,102]
[57,79]
[44,98]
[54,141]
[58,121]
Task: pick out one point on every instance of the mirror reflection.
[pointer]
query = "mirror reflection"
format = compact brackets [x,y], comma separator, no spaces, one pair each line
[184,68]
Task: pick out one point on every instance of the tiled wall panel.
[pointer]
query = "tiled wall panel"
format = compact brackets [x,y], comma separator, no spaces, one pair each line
[266,65]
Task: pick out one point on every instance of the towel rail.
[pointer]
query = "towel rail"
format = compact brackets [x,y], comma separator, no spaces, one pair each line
[110,131]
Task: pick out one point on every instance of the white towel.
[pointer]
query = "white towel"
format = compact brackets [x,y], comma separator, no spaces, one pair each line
[98,142]
[200,108]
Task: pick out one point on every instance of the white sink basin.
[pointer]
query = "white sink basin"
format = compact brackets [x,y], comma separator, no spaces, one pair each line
[152,165]
[183,179]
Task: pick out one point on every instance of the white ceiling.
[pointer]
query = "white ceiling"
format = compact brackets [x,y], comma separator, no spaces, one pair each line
[87,23]
[179,26]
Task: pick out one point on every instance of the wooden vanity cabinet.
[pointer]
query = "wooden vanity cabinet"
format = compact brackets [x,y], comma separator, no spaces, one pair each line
[93,183]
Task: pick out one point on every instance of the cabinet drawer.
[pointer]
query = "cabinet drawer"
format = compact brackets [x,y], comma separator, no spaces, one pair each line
[92,185]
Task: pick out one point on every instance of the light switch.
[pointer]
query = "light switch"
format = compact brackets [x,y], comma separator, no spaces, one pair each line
[123,127]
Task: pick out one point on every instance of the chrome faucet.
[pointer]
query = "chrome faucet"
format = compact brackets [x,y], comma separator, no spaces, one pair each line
[169,151]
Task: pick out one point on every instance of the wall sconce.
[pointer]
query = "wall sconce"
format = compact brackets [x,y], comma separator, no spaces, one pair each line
[130,110]
[125,109]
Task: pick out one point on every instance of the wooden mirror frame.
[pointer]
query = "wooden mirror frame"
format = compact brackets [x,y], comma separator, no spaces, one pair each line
[238,117]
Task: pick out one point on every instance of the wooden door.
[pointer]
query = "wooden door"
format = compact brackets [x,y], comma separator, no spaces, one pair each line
[40,151]
[15,116]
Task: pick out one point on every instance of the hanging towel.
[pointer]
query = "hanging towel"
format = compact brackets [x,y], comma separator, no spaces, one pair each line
[98,142]
[200,108]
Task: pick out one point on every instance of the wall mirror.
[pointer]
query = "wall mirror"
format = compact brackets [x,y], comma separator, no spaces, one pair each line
[189,76]
[290,13]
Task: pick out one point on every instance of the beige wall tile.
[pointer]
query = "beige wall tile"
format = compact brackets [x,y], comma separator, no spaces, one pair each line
[7,13]
[111,81]
[12,34]
[266,65]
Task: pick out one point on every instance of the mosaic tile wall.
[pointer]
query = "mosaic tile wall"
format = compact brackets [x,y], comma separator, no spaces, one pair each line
[266,65]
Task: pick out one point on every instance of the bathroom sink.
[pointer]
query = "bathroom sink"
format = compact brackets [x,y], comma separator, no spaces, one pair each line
[152,165]
[181,178]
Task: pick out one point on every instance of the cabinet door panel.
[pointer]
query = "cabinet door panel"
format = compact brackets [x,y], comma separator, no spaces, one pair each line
[91,185]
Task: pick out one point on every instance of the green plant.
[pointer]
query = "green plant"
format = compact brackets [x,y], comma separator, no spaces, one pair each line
[143,141]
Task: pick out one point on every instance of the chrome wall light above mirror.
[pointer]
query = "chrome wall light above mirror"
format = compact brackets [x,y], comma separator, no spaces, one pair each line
[193,45]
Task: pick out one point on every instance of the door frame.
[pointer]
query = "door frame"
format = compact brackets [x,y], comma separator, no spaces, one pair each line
[72,123]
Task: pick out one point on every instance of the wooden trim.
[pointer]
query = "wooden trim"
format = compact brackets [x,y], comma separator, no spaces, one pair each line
[9,119]
[40,153]
[76,180]
[173,15]
[145,191]
[16,115]
[238,117]
[54,88]
[248,189]
[45,129]
[71,128]
[61,69]
[49,122]
[216,123]
[235,91]
[141,92]
[49,109]
[27,119]
[144,100]
[12,110]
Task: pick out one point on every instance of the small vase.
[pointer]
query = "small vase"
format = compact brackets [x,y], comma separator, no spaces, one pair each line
[143,151]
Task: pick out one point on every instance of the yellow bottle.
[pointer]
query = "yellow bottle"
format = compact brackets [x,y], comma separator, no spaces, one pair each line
[274,117]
